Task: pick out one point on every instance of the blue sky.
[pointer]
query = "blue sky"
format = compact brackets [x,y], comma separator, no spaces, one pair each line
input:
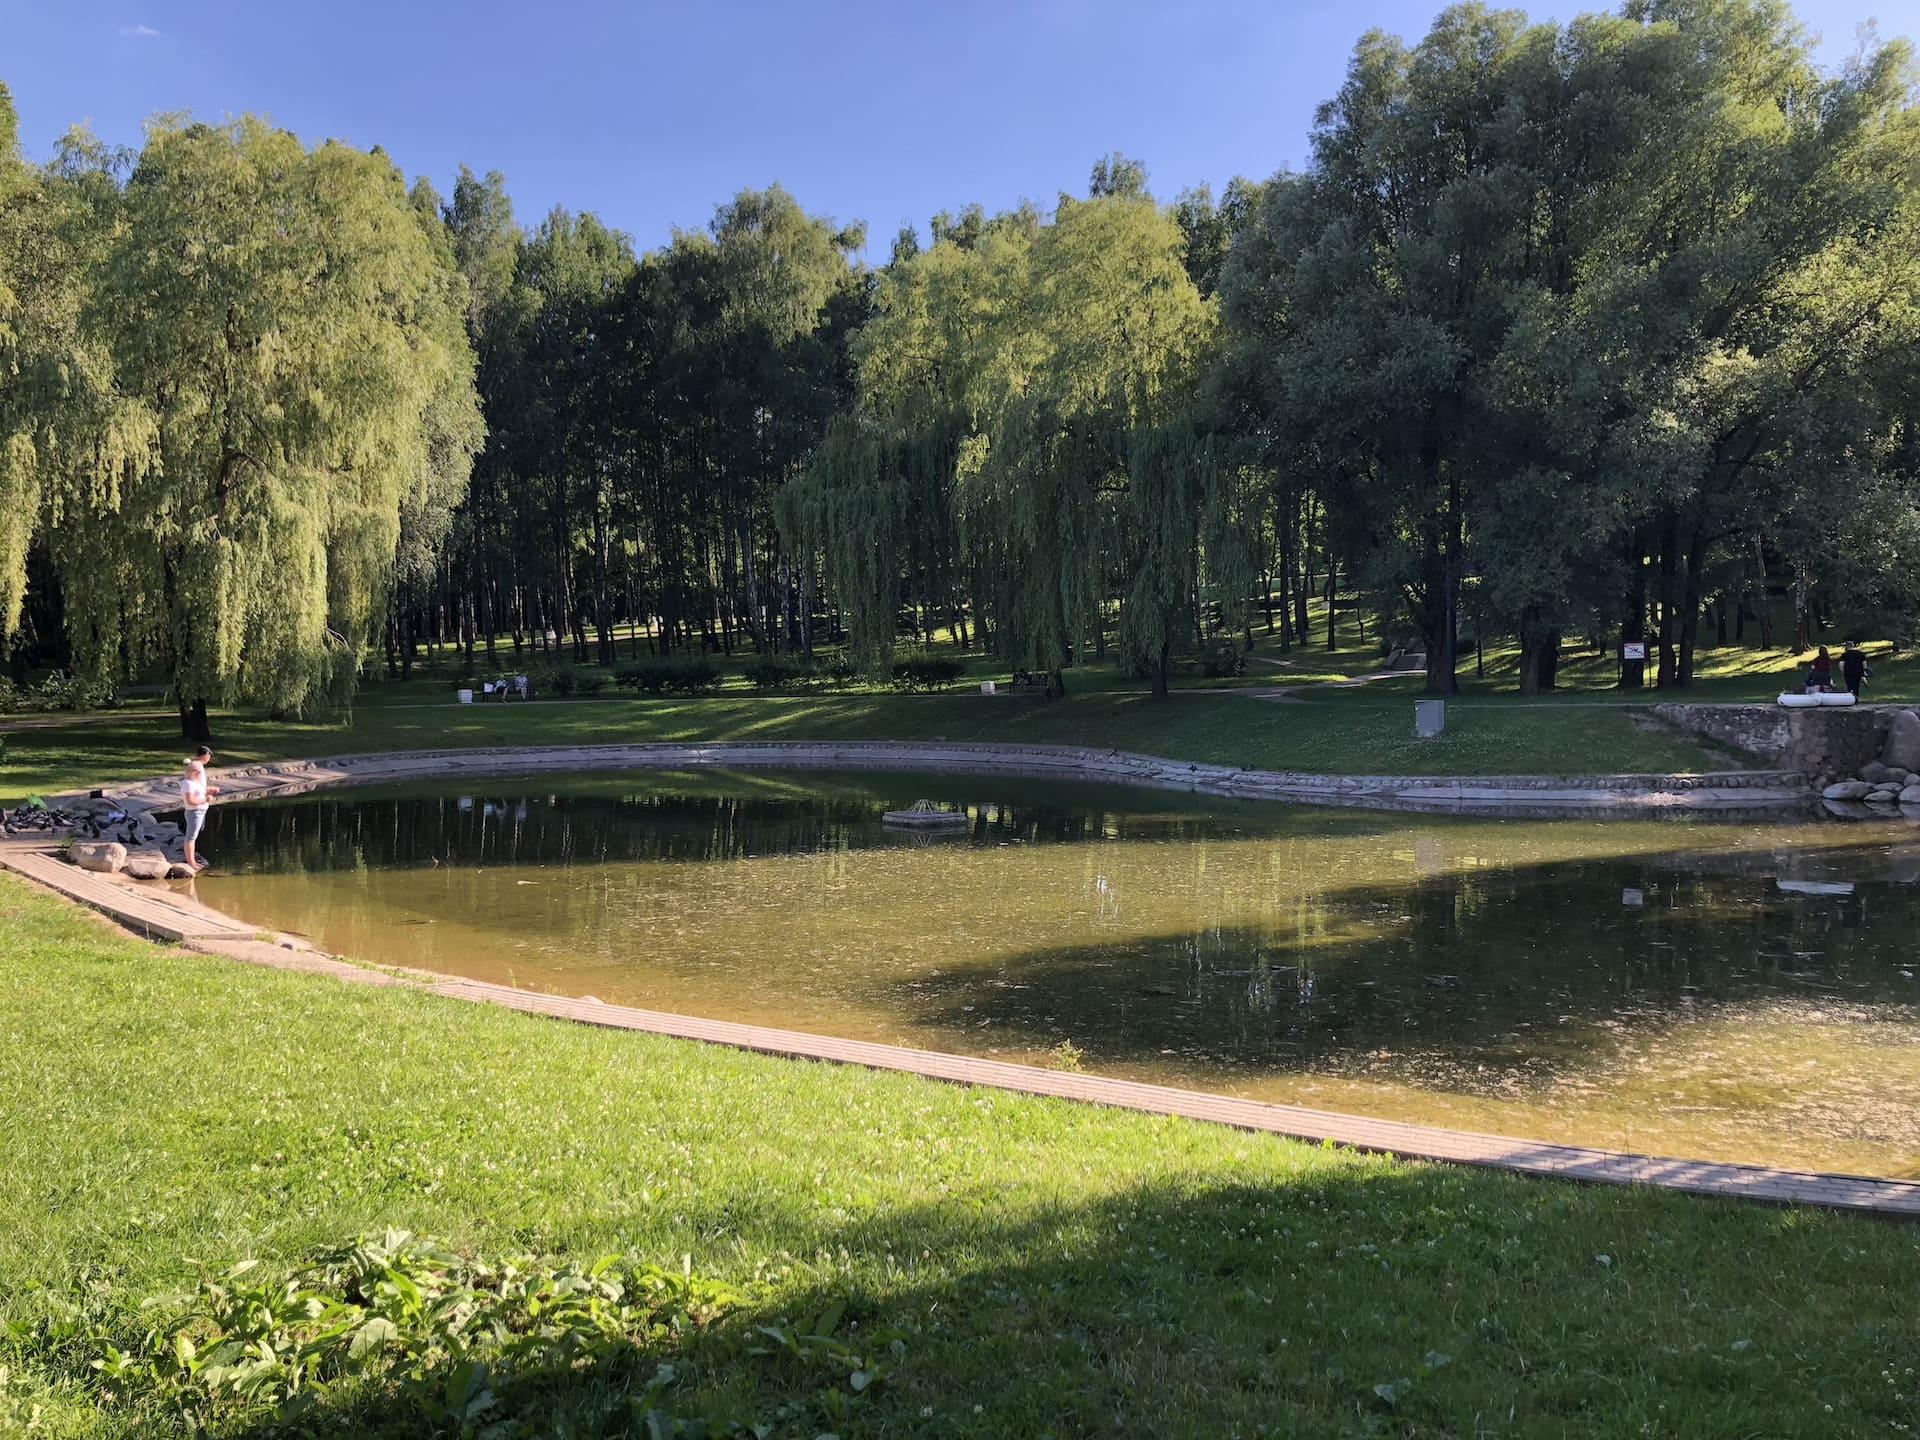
[650,114]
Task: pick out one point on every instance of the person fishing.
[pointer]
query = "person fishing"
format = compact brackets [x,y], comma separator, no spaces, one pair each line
[1854,669]
[195,795]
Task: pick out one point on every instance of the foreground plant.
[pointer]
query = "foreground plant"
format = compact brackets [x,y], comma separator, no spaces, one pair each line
[400,1335]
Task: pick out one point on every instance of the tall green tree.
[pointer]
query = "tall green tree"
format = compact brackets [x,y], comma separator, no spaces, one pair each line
[285,326]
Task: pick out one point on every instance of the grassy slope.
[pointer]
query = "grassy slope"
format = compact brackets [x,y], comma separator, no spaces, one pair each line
[1346,733]
[1055,1269]
[1580,728]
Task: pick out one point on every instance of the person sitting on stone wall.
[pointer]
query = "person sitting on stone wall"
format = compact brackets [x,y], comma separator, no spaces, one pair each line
[1820,677]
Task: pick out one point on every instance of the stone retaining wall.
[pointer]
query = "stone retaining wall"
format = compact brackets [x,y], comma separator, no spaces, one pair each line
[1501,794]
[1825,743]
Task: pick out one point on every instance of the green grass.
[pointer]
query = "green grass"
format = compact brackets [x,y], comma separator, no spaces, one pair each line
[1051,1269]
[1583,727]
[1349,732]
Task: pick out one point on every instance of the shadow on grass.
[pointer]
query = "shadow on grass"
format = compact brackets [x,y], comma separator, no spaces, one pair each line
[1348,1298]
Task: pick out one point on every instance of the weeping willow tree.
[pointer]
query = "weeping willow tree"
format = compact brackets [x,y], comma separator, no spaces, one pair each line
[65,432]
[1194,524]
[875,506]
[878,500]
[1007,379]
[282,375]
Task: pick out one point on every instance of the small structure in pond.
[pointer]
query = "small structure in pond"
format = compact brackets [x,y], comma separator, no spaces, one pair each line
[925,815]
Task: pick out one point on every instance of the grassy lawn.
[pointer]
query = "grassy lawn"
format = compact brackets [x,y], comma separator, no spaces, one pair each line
[1584,727]
[1350,732]
[1046,1269]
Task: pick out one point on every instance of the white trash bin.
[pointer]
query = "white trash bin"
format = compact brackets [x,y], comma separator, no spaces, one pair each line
[466,697]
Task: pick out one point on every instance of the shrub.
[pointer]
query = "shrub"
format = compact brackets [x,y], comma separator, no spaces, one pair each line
[1066,1056]
[1224,658]
[568,681]
[56,692]
[839,672]
[674,675]
[927,672]
[783,672]
[460,1346]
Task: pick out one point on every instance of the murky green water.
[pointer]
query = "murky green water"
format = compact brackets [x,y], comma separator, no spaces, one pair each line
[1733,991]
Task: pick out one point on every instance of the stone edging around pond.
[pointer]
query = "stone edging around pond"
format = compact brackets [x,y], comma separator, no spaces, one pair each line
[1482,794]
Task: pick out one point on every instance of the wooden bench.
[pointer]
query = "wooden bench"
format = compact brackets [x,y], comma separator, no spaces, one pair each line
[1028,680]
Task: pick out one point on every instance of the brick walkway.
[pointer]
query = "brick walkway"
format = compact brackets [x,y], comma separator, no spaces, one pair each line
[150,910]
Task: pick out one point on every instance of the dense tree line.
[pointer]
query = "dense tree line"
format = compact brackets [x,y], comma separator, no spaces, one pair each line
[1596,332]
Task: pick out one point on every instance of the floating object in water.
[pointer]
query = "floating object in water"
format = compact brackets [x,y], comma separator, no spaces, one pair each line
[1816,887]
[925,815]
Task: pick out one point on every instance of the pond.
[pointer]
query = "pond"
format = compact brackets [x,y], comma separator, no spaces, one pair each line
[1740,991]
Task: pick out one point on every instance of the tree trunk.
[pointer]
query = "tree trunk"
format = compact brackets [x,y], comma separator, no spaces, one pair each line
[1162,664]
[1302,587]
[1765,615]
[603,585]
[1690,608]
[1539,658]
[1663,676]
[1441,596]
[194,728]
[483,583]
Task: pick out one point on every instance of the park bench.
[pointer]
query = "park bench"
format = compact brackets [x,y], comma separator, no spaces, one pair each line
[1028,680]
[504,689]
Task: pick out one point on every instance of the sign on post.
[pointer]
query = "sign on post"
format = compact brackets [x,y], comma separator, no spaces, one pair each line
[1429,718]
[1634,650]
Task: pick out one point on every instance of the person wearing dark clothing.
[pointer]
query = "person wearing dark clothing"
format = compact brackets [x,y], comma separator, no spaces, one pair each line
[1853,667]
[1820,677]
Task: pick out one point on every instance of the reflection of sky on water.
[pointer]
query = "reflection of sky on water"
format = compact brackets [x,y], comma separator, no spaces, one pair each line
[1735,990]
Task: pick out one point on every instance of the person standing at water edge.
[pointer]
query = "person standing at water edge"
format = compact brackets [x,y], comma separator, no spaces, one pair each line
[1853,667]
[195,795]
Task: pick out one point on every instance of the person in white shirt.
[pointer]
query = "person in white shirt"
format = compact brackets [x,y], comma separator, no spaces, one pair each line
[195,795]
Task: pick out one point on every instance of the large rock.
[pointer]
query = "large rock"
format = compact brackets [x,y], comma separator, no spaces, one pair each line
[1847,790]
[1910,797]
[1903,741]
[104,856]
[147,865]
[180,870]
[1874,773]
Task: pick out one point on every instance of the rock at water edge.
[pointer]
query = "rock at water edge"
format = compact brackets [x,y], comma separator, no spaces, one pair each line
[1903,741]
[1847,790]
[147,865]
[1910,797]
[104,856]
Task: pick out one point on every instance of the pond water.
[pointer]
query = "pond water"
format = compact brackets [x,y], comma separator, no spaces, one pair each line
[1741,991]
